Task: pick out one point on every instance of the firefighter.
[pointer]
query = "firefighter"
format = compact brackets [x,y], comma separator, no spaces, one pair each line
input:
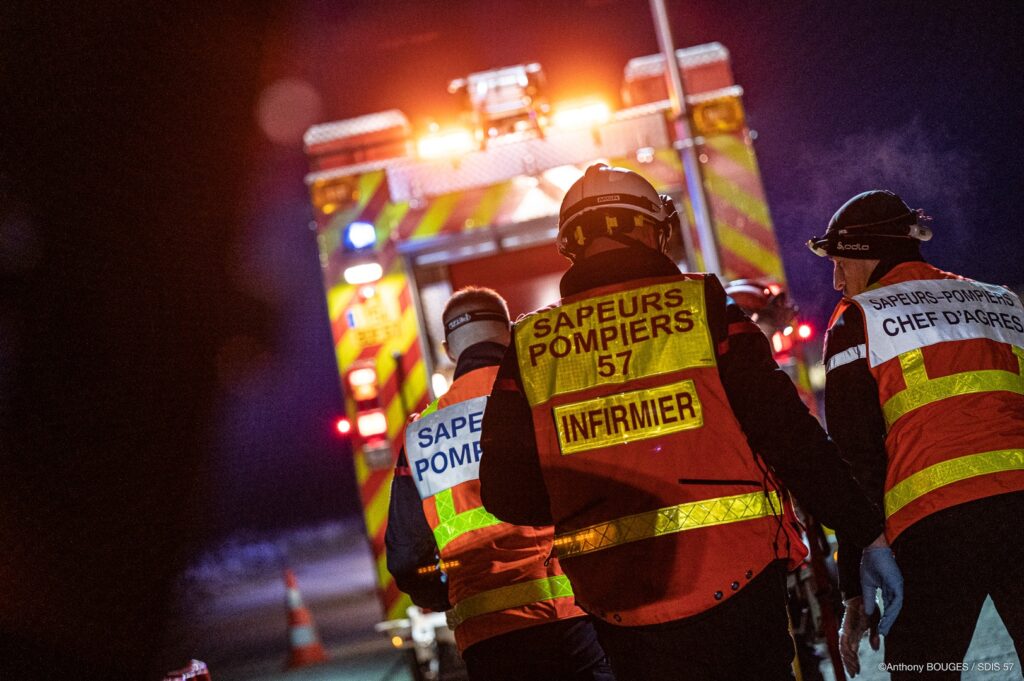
[765,303]
[924,396]
[628,415]
[511,608]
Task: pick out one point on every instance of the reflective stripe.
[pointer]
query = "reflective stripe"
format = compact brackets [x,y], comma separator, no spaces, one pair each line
[431,408]
[512,596]
[444,502]
[302,636]
[912,364]
[933,390]
[846,356]
[670,520]
[453,524]
[948,472]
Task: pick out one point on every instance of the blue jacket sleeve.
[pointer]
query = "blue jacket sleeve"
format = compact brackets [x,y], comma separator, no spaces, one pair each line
[411,547]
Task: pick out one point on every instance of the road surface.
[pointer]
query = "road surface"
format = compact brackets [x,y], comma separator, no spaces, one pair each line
[232,615]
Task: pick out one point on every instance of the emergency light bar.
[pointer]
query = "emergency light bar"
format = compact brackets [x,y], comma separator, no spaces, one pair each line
[527,155]
[454,142]
[582,115]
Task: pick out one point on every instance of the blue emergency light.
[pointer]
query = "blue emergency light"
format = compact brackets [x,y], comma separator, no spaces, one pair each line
[359,235]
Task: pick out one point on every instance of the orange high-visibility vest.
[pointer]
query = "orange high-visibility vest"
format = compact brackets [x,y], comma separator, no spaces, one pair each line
[948,356]
[500,577]
[660,509]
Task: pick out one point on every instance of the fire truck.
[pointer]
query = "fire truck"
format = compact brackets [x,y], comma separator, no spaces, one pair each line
[405,216]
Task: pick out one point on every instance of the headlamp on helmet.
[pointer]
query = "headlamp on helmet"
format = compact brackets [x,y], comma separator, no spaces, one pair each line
[872,225]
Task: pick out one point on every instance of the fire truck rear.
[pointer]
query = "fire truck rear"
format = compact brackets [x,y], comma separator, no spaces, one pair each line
[404,220]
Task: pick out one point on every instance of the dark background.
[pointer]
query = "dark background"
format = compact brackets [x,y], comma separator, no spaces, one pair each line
[167,376]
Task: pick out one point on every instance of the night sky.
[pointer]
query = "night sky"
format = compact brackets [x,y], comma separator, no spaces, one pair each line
[167,375]
[923,100]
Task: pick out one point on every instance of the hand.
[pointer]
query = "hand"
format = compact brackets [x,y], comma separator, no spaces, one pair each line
[878,570]
[855,623]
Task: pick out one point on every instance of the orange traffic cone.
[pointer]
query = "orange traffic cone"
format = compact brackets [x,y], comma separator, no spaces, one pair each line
[305,645]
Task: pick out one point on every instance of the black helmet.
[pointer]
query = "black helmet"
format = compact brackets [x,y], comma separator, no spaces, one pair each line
[872,225]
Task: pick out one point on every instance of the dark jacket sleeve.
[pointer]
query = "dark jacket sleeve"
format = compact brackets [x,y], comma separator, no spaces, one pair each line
[782,431]
[410,544]
[511,484]
[856,424]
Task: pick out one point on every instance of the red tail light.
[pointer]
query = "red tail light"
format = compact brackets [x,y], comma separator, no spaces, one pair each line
[343,426]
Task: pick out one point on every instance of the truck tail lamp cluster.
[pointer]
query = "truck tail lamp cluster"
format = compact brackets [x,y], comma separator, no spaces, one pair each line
[363,273]
[358,240]
[362,385]
[372,424]
[329,195]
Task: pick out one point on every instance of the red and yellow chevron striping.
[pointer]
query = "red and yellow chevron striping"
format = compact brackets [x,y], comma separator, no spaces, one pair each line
[742,223]
[349,309]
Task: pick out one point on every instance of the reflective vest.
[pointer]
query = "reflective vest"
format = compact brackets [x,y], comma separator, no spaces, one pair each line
[660,509]
[500,577]
[948,356]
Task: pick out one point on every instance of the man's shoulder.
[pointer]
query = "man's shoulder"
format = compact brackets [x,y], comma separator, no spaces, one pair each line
[846,331]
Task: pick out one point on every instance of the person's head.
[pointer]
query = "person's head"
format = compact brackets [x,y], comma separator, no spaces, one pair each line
[873,226]
[612,208]
[474,315]
[764,302]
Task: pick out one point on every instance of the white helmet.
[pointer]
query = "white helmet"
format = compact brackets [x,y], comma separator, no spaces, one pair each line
[610,202]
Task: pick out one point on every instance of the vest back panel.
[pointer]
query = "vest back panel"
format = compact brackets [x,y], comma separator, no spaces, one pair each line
[660,508]
[947,354]
[489,564]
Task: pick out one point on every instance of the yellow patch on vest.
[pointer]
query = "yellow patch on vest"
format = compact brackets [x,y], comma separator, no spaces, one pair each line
[614,338]
[627,417]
